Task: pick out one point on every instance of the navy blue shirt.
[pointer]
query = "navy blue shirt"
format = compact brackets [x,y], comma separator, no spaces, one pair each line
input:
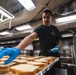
[48,36]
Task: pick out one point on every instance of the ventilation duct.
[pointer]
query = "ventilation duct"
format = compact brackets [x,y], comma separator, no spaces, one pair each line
[65,10]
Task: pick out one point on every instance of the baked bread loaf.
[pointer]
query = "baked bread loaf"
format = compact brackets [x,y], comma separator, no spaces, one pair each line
[19,61]
[42,61]
[24,69]
[41,65]
[49,59]
[5,68]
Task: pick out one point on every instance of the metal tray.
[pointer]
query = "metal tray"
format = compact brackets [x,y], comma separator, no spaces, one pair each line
[42,72]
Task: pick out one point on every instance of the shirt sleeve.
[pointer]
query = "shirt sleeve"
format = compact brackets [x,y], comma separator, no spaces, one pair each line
[37,30]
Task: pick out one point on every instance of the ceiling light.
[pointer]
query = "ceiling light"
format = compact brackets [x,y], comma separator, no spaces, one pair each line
[67,35]
[5,15]
[67,19]
[24,27]
[28,4]
[5,33]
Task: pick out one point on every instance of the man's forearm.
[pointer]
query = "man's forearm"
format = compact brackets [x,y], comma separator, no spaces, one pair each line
[26,41]
[59,43]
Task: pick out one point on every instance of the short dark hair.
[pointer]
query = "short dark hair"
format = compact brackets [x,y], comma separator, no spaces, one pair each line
[48,11]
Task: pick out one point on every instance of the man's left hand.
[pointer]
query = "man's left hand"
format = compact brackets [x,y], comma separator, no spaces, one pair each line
[55,49]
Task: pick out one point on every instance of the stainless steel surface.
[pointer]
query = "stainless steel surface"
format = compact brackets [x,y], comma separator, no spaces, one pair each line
[74,48]
[71,65]
[74,51]
[42,72]
[58,72]
[36,52]
[68,57]
[65,49]
[67,53]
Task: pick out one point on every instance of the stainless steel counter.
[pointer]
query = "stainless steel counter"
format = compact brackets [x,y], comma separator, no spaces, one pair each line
[59,72]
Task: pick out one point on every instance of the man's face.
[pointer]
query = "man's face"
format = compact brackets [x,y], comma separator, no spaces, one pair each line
[46,18]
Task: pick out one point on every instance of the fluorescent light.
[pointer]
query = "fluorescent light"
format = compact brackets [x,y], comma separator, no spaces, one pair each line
[67,35]
[5,33]
[5,15]
[24,27]
[67,19]
[2,12]
[28,4]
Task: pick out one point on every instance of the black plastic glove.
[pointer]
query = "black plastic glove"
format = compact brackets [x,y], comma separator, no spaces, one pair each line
[55,49]
[12,52]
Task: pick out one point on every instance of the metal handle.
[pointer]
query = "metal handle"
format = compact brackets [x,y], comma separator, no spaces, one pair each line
[71,65]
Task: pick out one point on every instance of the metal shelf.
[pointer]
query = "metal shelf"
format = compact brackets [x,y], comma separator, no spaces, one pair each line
[67,57]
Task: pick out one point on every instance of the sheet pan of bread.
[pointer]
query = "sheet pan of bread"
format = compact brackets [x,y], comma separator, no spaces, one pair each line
[27,65]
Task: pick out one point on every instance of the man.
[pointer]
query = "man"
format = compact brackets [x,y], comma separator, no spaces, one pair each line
[49,37]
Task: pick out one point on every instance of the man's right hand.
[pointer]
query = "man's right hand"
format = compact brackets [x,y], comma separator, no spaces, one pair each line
[12,52]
